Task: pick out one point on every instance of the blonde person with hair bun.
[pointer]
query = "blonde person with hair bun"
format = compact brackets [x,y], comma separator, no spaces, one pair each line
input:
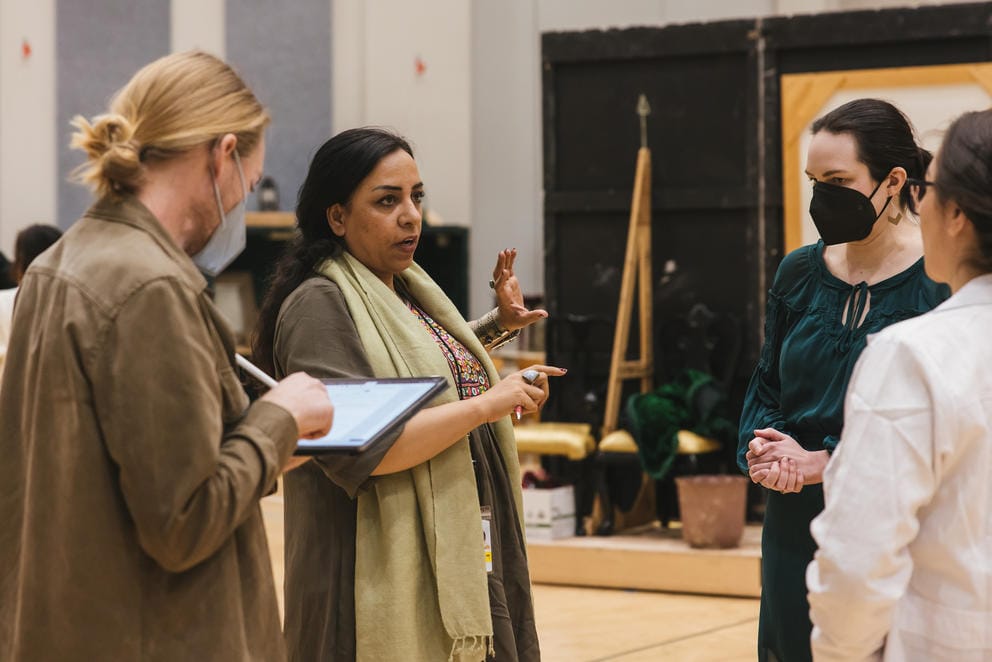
[132,461]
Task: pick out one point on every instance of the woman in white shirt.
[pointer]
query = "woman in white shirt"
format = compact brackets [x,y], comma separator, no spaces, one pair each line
[904,567]
[31,242]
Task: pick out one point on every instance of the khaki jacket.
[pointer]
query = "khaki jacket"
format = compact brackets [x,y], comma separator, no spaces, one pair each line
[130,468]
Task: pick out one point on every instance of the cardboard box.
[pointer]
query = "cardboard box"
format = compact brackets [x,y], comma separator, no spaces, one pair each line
[549,514]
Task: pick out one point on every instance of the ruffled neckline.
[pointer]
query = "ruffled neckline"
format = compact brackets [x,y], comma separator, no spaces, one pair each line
[816,256]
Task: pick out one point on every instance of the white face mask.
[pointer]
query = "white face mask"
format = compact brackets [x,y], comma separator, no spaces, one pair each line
[228,240]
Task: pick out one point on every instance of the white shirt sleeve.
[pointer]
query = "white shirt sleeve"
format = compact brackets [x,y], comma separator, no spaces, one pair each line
[6,315]
[880,476]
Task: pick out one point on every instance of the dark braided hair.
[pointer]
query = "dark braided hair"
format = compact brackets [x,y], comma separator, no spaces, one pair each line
[339,166]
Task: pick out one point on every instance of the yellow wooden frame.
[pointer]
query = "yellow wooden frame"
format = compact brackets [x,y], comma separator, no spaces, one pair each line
[803,97]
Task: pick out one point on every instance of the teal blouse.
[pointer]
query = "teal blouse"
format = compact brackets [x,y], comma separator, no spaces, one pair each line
[799,384]
[812,341]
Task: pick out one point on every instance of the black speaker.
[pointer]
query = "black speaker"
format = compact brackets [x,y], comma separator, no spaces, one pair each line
[443,253]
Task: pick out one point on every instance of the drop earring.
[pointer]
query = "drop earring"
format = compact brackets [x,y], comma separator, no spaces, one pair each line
[894,219]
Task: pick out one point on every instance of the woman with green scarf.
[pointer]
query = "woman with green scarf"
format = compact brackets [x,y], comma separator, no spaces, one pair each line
[385,551]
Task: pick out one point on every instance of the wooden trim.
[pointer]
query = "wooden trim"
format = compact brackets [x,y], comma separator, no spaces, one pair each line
[803,97]
[649,559]
[270,219]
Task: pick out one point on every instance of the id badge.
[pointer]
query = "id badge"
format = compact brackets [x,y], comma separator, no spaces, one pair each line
[487,537]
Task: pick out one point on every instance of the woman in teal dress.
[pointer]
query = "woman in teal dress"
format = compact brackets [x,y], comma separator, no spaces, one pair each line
[863,275]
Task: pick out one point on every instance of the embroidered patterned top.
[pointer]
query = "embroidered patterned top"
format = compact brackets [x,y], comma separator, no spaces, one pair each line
[467,371]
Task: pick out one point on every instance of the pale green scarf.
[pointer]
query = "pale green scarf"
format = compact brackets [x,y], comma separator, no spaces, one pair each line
[421,591]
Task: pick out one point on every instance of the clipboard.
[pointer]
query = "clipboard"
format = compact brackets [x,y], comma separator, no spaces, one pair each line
[365,410]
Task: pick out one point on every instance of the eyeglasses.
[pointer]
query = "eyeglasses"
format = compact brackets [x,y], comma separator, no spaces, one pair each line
[918,187]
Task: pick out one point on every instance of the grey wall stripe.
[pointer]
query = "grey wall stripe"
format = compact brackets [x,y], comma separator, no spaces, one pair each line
[99,47]
[283,51]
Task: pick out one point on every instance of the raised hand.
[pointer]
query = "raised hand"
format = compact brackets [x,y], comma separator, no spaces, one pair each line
[513,314]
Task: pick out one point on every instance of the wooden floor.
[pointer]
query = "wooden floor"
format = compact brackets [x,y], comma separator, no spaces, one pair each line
[594,625]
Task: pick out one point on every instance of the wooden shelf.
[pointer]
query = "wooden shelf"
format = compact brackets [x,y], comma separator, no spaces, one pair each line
[271,219]
[521,356]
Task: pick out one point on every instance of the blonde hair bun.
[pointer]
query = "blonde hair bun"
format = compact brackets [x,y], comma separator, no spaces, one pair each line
[173,105]
[114,157]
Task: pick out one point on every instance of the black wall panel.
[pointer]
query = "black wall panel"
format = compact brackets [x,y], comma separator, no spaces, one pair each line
[714,132]
[596,133]
[704,198]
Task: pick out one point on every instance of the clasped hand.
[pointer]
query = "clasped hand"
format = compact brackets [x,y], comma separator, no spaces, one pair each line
[777,461]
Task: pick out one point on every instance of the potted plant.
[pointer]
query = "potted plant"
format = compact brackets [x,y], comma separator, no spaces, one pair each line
[685,417]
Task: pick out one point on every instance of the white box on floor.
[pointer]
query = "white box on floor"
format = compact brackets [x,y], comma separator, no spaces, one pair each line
[549,514]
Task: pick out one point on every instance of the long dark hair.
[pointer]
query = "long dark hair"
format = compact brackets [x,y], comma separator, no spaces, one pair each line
[964,175]
[884,137]
[31,242]
[337,169]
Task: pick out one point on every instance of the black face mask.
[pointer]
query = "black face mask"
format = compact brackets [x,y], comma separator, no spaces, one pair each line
[842,214]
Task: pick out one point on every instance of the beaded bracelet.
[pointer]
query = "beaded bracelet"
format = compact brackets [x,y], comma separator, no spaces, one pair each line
[491,333]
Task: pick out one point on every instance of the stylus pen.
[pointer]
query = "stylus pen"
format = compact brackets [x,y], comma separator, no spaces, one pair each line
[255,371]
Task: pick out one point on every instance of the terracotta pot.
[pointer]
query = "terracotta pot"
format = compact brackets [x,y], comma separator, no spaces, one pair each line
[713,509]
